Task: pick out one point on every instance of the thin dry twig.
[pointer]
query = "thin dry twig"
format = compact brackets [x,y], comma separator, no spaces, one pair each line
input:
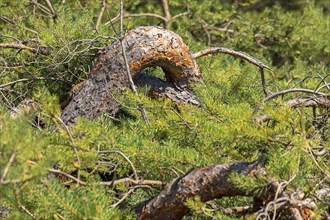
[134,182]
[51,7]
[72,143]
[284,92]
[21,206]
[241,55]
[49,11]
[21,46]
[166,19]
[141,108]
[309,102]
[125,157]
[123,198]
[99,18]
[5,171]
[34,79]
[110,183]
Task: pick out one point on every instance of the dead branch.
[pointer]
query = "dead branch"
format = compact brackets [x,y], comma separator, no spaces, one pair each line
[309,102]
[213,182]
[21,46]
[208,183]
[125,157]
[234,53]
[298,102]
[241,55]
[133,182]
[72,144]
[6,169]
[33,79]
[99,18]
[144,47]
[49,11]
[292,203]
[166,19]
[50,6]
[21,206]
[284,92]
[122,198]
[141,108]
[128,181]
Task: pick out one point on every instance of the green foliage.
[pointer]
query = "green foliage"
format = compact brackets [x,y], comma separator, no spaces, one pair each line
[178,138]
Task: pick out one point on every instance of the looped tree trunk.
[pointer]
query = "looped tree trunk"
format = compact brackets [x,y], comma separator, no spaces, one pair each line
[144,47]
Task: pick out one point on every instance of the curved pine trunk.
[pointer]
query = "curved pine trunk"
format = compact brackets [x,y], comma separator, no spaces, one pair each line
[144,47]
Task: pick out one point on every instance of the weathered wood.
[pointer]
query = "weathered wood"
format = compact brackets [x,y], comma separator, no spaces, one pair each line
[208,183]
[165,89]
[144,47]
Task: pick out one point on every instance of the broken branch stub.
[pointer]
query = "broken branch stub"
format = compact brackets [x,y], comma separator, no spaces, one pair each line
[144,47]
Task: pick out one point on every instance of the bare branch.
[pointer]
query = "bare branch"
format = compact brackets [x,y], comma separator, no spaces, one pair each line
[230,52]
[72,143]
[241,55]
[21,206]
[309,102]
[5,171]
[110,183]
[129,76]
[33,79]
[80,182]
[51,7]
[208,183]
[49,11]
[180,15]
[166,19]
[99,18]
[284,92]
[167,14]
[145,15]
[21,46]
[123,198]
[134,182]
[125,157]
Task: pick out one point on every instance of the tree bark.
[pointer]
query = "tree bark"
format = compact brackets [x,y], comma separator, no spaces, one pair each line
[208,183]
[144,47]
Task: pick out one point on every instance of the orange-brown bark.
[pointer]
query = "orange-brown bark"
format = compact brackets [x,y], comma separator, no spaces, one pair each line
[144,47]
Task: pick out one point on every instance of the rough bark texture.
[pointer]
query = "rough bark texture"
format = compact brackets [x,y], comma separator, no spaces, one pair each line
[144,47]
[165,89]
[208,183]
